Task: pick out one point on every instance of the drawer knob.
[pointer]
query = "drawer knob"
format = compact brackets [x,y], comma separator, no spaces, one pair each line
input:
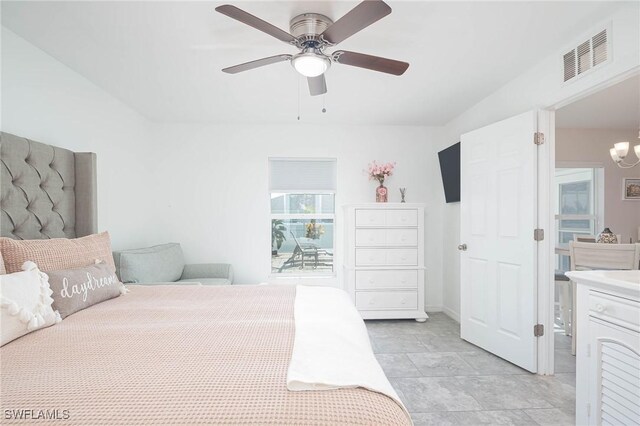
[600,307]
[404,280]
[404,219]
[403,238]
[404,257]
[371,258]
[404,302]
[371,280]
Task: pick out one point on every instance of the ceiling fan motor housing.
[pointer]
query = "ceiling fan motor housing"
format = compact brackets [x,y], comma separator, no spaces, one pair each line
[308,27]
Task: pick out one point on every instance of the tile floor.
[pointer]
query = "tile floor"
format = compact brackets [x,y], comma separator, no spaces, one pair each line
[444,380]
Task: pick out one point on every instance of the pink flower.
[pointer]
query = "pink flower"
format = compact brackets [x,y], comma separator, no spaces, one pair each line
[380,171]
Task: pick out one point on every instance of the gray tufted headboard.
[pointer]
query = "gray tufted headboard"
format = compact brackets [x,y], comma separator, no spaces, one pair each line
[46,191]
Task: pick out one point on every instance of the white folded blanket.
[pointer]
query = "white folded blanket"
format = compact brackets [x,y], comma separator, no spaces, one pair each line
[332,348]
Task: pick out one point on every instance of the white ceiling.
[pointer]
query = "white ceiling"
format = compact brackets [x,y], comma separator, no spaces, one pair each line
[164,58]
[616,107]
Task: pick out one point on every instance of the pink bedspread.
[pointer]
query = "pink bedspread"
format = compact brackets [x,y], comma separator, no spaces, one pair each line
[175,355]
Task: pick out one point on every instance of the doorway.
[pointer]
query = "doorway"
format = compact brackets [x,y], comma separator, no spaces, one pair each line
[526,308]
[588,191]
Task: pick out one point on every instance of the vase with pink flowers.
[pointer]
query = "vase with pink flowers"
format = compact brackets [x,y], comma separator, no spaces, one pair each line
[380,172]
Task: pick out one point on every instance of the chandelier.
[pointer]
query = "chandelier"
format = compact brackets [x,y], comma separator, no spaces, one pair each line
[619,153]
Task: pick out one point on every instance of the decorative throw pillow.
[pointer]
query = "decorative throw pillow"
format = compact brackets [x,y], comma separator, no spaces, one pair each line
[57,253]
[79,288]
[25,303]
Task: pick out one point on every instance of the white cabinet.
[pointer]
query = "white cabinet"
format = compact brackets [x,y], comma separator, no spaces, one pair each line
[384,259]
[608,347]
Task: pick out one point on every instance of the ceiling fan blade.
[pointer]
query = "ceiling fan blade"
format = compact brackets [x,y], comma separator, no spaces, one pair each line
[374,63]
[255,22]
[357,19]
[317,85]
[257,63]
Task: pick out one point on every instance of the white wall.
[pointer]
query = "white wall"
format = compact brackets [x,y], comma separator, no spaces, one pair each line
[592,146]
[540,87]
[44,100]
[214,183]
[204,186]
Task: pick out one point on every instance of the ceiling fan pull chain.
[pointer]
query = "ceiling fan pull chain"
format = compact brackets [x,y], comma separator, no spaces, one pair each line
[298,98]
[324,98]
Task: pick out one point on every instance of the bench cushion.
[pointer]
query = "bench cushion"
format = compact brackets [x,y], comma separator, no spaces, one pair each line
[162,263]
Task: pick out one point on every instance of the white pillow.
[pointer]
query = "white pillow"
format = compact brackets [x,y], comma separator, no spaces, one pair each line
[25,303]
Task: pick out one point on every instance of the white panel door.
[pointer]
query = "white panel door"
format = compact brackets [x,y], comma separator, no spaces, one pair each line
[498,216]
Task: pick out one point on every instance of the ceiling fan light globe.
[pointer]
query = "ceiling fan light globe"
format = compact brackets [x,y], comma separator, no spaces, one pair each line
[622,149]
[637,151]
[310,65]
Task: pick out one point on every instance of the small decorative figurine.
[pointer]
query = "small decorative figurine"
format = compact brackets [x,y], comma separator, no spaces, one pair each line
[402,192]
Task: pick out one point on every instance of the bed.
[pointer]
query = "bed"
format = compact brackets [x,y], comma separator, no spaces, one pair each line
[179,354]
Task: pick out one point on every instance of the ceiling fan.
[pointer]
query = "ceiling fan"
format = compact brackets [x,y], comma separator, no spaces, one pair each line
[312,33]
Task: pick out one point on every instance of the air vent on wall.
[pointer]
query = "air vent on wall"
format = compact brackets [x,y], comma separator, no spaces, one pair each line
[586,56]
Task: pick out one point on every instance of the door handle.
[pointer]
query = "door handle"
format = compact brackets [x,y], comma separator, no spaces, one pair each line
[462,247]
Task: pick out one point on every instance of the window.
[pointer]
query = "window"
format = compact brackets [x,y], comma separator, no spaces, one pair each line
[302,193]
[578,207]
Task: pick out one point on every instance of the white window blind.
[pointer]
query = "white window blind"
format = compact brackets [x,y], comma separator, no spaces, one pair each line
[302,175]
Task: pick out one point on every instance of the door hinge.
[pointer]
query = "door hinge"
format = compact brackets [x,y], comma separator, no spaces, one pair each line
[538,330]
[538,138]
[538,234]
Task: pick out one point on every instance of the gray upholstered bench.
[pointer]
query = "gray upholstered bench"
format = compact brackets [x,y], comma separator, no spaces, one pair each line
[165,264]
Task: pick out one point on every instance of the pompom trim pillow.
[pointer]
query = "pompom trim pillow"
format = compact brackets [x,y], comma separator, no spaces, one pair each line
[25,303]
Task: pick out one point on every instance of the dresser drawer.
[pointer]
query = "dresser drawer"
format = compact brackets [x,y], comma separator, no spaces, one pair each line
[402,237]
[380,300]
[371,237]
[402,256]
[407,217]
[387,256]
[379,217]
[386,237]
[615,309]
[370,217]
[372,280]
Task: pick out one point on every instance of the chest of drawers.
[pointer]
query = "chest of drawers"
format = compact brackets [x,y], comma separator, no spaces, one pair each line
[384,259]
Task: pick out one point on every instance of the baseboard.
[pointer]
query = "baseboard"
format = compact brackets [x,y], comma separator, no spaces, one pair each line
[451,314]
[432,308]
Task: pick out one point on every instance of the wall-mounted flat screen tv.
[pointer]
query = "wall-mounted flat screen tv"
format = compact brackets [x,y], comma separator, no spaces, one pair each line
[450,171]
